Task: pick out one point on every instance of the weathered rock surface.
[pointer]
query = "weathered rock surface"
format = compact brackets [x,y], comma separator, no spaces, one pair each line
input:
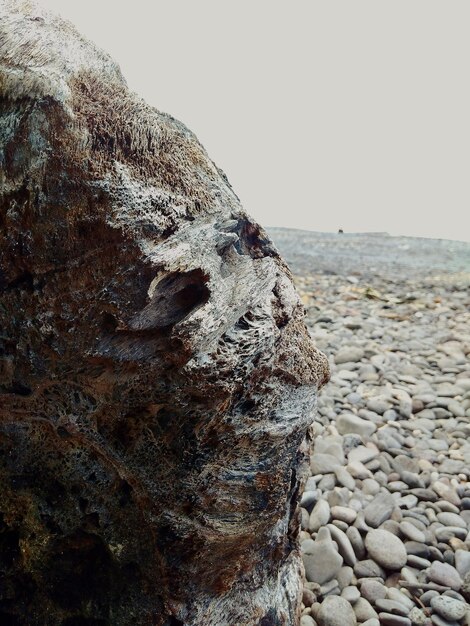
[156,376]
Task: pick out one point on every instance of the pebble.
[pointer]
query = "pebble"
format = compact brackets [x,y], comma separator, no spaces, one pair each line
[446,533]
[309,498]
[344,514]
[324,463]
[370,487]
[329,588]
[373,590]
[456,408]
[409,574]
[392,526]
[321,559]
[387,619]
[411,532]
[344,478]
[368,569]
[379,509]
[351,594]
[391,606]
[446,492]
[418,549]
[345,576]
[358,470]
[319,516]
[308,597]
[336,611]
[451,519]
[445,574]
[449,608]
[412,479]
[428,596]
[409,501]
[462,562]
[417,562]
[344,545]
[439,621]
[357,542]
[364,610]
[418,617]
[386,549]
[348,355]
[398,596]
[364,454]
[351,423]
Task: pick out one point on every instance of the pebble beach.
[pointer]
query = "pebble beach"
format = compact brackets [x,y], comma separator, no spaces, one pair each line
[385,515]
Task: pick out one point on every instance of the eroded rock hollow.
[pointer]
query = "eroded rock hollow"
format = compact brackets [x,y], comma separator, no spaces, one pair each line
[156,376]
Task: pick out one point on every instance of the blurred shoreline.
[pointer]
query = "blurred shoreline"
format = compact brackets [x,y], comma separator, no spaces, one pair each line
[370,254]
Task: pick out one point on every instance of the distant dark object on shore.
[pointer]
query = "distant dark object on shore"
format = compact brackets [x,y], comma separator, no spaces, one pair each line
[340,231]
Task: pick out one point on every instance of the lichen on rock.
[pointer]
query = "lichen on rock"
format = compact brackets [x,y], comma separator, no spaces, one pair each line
[156,376]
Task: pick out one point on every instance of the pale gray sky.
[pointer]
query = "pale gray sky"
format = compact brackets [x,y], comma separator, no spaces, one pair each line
[323,113]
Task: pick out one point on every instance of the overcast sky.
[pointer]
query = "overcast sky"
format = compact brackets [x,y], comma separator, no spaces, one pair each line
[322,113]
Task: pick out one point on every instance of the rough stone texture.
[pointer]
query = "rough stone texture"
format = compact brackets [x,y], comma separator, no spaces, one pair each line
[156,375]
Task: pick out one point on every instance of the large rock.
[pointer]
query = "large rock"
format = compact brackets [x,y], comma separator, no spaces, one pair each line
[156,376]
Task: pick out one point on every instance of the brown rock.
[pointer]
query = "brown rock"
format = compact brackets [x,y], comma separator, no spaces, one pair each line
[156,375]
